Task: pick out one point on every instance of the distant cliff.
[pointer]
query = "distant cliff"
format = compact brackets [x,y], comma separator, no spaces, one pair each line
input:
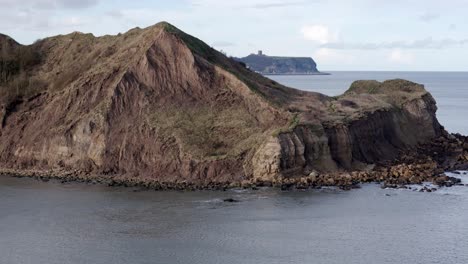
[280,65]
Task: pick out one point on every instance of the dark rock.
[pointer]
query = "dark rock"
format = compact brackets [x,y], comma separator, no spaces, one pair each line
[230,200]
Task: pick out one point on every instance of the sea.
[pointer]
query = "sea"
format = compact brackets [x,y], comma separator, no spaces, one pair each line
[55,223]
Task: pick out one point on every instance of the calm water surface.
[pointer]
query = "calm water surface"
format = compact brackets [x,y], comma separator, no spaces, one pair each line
[55,223]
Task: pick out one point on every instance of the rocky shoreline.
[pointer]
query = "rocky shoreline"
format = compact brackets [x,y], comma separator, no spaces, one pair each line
[426,163]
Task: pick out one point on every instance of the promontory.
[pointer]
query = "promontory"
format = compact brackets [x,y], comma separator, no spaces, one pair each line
[160,108]
[276,65]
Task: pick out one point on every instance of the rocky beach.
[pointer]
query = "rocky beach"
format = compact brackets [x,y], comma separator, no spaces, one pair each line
[426,163]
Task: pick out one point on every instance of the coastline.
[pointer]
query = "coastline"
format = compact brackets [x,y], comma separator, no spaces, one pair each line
[426,163]
[344,181]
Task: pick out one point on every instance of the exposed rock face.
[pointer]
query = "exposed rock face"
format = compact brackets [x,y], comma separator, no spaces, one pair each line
[157,105]
[371,136]
[280,65]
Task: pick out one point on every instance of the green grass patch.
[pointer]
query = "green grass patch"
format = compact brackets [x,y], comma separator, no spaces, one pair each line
[293,123]
[209,133]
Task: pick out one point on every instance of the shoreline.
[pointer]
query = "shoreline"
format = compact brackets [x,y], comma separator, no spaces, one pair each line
[342,180]
[425,163]
[295,74]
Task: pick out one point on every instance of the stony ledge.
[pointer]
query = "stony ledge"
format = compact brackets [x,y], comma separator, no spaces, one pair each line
[426,163]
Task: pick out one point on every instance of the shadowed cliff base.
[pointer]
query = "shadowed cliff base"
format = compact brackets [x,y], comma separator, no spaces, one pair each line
[156,106]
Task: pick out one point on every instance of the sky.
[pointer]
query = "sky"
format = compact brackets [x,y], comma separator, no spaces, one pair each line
[380,35]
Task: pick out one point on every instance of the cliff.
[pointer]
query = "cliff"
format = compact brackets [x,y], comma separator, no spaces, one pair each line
[158,104]
[280,65]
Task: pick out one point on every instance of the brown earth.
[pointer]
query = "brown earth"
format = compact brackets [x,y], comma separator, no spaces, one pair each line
[156,107]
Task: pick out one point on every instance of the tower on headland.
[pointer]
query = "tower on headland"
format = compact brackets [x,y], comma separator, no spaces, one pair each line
[260,53]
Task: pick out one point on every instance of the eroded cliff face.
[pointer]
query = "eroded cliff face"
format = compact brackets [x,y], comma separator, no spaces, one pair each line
[357,142]
[161,105]
[146,106]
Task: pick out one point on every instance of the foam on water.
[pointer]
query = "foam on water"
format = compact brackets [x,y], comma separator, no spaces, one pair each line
[462,175]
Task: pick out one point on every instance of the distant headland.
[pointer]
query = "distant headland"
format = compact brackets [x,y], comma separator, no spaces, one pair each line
[275,65]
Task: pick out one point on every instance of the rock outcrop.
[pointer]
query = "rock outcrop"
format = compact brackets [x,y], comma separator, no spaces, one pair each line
[157,106]
[360,128]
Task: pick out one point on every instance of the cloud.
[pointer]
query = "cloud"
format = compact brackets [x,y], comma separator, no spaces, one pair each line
[77,3]
[73,22]
[143,17]
[222,44]
[277,4]
[48,4]
[401,57]
[329,56]
[41,15]
[116,14]
[318,33]
[428,17]
[426,43]
[252,4]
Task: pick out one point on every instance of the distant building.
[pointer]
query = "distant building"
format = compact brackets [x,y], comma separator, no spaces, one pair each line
[260,53]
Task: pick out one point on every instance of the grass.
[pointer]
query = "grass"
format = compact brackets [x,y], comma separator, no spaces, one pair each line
[209,133]
[359,87]
[332,107]
[16,63]
[293,123]
[194,44]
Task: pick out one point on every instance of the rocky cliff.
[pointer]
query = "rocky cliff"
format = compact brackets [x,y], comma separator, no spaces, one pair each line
[157,104]
[280,65]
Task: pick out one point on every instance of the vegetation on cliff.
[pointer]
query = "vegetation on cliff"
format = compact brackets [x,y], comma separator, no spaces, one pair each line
[16,61]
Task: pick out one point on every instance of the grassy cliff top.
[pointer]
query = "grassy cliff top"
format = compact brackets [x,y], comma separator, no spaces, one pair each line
[389,86]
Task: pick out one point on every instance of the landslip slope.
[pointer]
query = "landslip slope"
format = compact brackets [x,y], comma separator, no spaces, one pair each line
[159,104]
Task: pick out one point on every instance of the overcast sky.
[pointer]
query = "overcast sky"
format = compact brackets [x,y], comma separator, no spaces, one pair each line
[418,35]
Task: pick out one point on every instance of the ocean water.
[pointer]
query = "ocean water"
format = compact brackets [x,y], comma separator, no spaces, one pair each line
[54,223]
[57,223]
[450,89]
